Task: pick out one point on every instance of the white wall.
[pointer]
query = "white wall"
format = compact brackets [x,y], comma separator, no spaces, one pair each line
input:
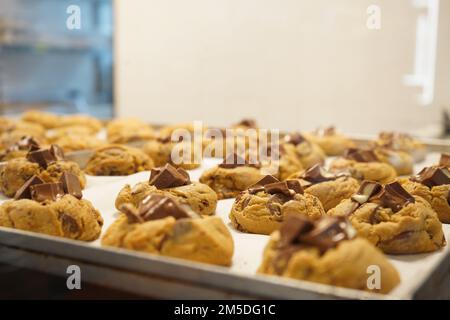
[291,64]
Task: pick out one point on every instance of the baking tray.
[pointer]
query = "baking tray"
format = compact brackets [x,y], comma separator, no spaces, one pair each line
[423,275]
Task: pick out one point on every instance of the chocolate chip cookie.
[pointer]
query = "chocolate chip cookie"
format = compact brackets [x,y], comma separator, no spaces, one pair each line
[402,142]
[175,183]
[48,164]
[55,209]
[161,225]
[326,251]
[432,184]
[309,153]
[160,150]
[117,160]
[364,165]
[392,219]
[232,176]
[125,130]
[331,141]
[264,206]
[329,188]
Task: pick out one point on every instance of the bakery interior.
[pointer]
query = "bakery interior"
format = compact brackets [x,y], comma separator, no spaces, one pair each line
[92,92]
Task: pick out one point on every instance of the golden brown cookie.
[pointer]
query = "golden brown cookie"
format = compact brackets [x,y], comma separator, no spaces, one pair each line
[329,188]
[46,119]
[308,153]
[263,207]
[401,161]
[162,226]
[392,219]
[231,177]
[117,160]
[331,141]
[432,184]
[81,120]
[55,209]
[160,150]
[326,252]
[125,130]
[174,183]
[71,143]
[47,164]
[402,142]
[364,165]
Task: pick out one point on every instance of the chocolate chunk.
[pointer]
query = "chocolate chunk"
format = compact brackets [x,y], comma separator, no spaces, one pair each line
[24,191]
[323,234]
[367,190]
[445,160]
[292,228]
[259,186]
[433,176]
[57,152]
[69,224]
[328,232]
[168,177]
[393,196]
[318,174]
[361,155]
[294,138]
[71,184]
[44,157]
[234,161]
[278,187]
[27,143]
[295,185]
[46,191]
[131,212]
[157,206]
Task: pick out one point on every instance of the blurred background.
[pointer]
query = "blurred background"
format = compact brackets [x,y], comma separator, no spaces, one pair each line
[362,65]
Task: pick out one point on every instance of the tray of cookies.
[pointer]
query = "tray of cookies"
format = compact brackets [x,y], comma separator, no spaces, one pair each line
[330,216]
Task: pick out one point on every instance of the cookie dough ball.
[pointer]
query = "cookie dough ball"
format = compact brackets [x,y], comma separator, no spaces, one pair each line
[295,252]
[228,182]
[393,220]
[331,141]
[160,225]
[401,161]
[402,142]
[117,160]
[364,165]
[160,150]
[329,188]
[263,208]
[67,217]
[433,185]
[17,171]
[307,152]
[46,119]
[200,197]
[126,130]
